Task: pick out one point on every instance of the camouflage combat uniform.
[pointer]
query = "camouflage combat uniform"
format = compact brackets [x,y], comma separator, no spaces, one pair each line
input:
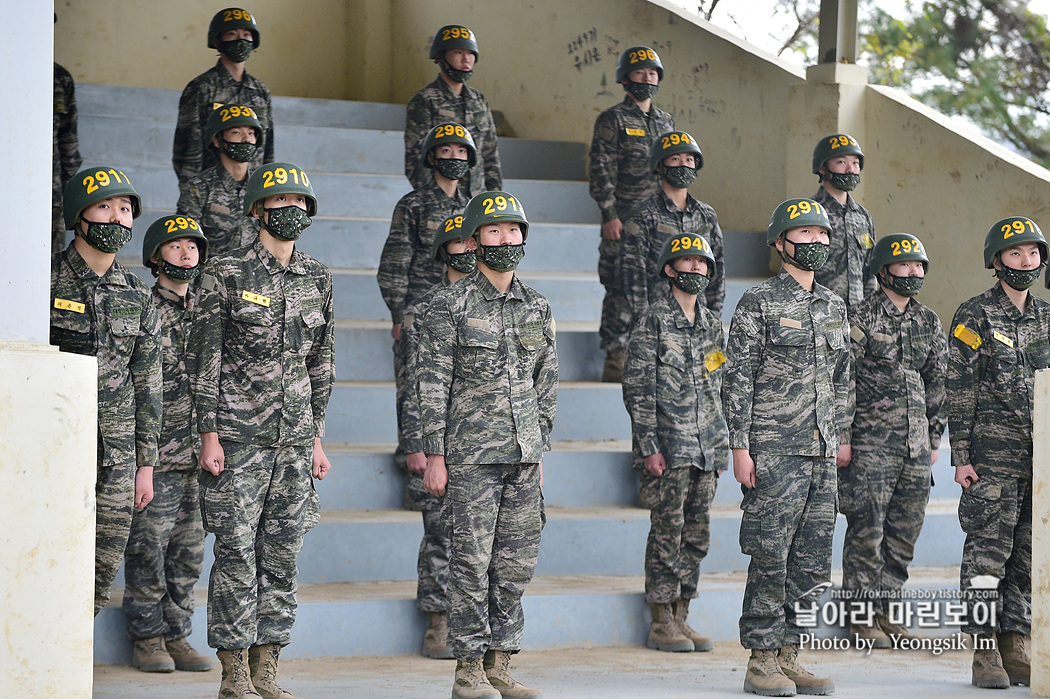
[848,270]
[620,178]
[671,387]
[210,89]
[487,395]
[165,553]
[785,397]
[651,223]
[216,201]
[436,103]
[899,361]
[993,355]
[65,155]
[112,318]
[268,331]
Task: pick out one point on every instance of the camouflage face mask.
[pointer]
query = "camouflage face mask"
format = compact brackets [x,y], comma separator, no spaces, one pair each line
[1019,279]
[691,282]
[237,50]
[459,76]
[451,168]
[641,91]
[179,274]
[240,152]
[502,258]
[679,176]
[905,286]
[808,256]
[286,222]
[106,237]
[844,182]
[463,262]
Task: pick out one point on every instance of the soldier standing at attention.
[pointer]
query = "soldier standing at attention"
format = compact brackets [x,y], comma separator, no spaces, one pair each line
[671,211]
[620,178]
[448,99]
[672,385]
[215,197]
[487,396]
[234,34]
[101,309]
[165,553]
[999,339]
[837,161]
[900,354]
[454,248]
[265,324]
[785,396]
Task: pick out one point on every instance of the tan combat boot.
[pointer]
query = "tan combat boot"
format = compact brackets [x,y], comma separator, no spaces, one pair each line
[263,661]
[186,658]
[862,635]
[764,676]
[150,655]
[1013,649]
[497,669]
[664,633]
[891,629]
[805,681]
[612,372]
[236,682]
[435,639]
[681,619]
[471,681]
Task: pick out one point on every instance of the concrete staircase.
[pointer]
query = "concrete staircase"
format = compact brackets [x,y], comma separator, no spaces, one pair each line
[357,568]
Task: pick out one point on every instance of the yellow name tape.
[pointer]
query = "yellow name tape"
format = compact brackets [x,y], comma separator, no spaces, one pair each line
[66,305]
[635,132]
[966,336]
[1003,339]
[259,299]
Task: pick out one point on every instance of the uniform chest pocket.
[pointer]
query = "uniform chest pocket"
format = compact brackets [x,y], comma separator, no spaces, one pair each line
[883,351]
[253,330]
[787,338]
[169,352]
[672,356]
[310,321]
[478,350]
[71,332]
[1039,357]
[835,340]
[531,338]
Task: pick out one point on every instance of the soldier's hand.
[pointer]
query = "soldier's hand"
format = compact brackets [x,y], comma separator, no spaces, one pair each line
[435,478]
[541,474]
[744,468]
[655,464]
[321,465]
[611,229]
[844,455]
[395,332]
[933,456]
[212,457]
[143,487]
[965,475]
[417,462]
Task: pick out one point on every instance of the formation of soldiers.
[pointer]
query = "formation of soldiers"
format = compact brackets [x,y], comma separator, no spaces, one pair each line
[831,392]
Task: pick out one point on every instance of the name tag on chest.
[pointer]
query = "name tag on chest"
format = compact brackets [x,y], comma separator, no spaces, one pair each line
[258,299]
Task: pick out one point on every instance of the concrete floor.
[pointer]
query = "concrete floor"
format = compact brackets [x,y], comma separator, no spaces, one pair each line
[608,673]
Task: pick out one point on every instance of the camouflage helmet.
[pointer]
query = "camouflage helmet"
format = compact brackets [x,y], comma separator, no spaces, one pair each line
[684,245]
[833,146]
[638,57]
[449,132]
[672,143]
[451,230]
[453,36]
[232,18]
[899,247]
[92,185]
[494,207]
[229,115]
[279,178]
[1010,231]
[794,213]
[168,228]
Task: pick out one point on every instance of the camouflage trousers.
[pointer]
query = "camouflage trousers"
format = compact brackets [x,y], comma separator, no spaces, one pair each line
[58,231]
[114,505]
[259,509]
[432,564]
[616,310]
[787,526]
[679,505]
[996,514]
[884,499]
[164,559]
[496,518]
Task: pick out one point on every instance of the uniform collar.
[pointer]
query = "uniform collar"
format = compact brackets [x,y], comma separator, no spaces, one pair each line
[1007,306]
[680,320]
[891,308]
[169,295]
[824,198]
[790,284]
[490,292]
[672,207]
[114,276]
[296,265]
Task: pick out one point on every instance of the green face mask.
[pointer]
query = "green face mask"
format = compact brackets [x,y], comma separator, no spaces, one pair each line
[240,152]
[106,237]
[452,168]
[179,274]
[1019,279]
[286,222]
[905,286]
[502,258]
[679,176]
[237,50]
[808,256]
[463,262]
[641,91]
[691,282]
[844,182]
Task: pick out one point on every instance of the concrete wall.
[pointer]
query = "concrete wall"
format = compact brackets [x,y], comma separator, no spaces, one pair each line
[1041,537]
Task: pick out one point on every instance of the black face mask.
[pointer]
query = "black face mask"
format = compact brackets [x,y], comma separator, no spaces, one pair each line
[286,222]
[240,152]
[905,286]
[237,50]
[842,181]
[641,91]
[501,258]
[459,76]
[106,237]
[452,168]
[463,262]
[1019,279]
[180,274]
[808,256]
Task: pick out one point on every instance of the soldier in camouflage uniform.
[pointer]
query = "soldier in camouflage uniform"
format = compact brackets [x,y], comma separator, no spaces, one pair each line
[999,339]
[65,155]
[448,99]
[215,197]
[671,386]
[899,353]
[165,553]
[454,248]
[103,310]
[487,397]
[837,161]
[234,34]
[621,178]
[785,397]
[265,325]
[671,211]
